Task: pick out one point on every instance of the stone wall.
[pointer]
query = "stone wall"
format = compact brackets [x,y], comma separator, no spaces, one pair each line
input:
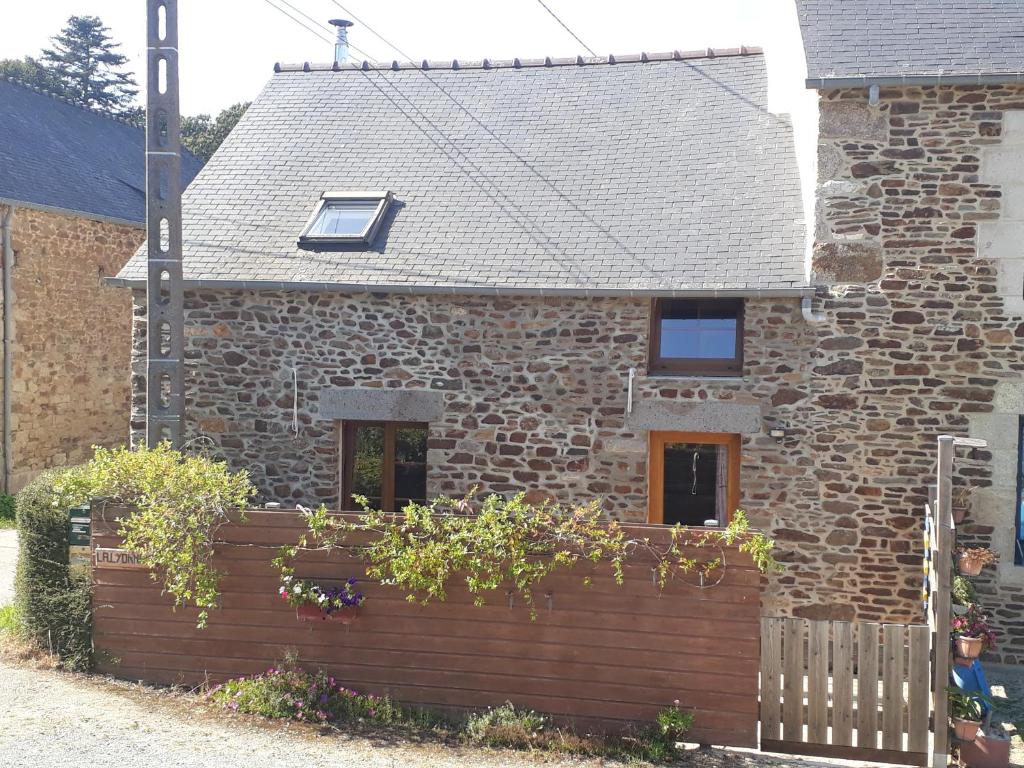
[71,338]
[534,398]
[919,242]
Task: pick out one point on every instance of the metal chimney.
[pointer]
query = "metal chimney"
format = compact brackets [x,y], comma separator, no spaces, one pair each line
[341,44]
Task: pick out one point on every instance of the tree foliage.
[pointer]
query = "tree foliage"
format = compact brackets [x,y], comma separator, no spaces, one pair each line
[84,60]
[28,71]
[202,135]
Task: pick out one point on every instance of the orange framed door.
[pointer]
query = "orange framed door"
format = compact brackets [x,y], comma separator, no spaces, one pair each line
[684,476]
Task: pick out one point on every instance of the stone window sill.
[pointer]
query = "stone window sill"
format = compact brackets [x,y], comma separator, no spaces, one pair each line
[677,377]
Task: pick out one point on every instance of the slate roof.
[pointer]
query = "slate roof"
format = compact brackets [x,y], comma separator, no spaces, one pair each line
[912,41]
[60,155]
[654,173]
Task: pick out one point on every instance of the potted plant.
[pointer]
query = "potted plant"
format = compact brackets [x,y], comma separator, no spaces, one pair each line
[971,634]
[961,503]
[313,602]
[965,711]
[970,560]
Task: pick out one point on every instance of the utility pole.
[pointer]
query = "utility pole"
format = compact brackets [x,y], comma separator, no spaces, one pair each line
[165,337]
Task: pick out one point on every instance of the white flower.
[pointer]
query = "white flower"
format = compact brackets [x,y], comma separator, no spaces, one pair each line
[281,591]
[297,589]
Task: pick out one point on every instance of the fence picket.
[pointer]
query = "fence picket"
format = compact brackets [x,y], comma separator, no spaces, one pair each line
[842,683]
[793,698]
[892,686]
[867,684]
[817,682]
[919,702]
[771,672]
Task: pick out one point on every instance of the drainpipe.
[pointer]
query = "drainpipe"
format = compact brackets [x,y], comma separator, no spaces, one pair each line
[806,309]
[8,298]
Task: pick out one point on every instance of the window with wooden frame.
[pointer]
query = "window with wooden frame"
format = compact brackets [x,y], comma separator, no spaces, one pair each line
[385,461]
[700,337]
[693,477]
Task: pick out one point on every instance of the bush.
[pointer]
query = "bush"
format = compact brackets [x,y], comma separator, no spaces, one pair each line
[178,504]
[512,728]
[963,591]
[7,508]
[54,607]
[506,726]
[310,698]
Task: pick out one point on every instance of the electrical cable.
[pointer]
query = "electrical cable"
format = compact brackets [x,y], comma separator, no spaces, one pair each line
[566,27]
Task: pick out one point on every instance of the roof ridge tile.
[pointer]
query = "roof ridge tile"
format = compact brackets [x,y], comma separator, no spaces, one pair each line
[643,57]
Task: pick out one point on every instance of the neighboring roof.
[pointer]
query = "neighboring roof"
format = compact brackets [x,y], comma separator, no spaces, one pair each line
[864,42]
[661,173]
[58,155]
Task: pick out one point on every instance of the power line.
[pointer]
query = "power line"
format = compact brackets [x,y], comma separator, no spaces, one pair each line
[566,27]
[551,244]
[299,22]
[372,31]
[299,11]
[568,199]
[538,234]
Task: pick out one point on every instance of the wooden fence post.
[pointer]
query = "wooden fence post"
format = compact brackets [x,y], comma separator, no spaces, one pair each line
[940,598]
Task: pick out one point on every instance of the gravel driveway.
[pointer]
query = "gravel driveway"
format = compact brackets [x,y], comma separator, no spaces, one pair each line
[57,719]
[53,719]
[8,556]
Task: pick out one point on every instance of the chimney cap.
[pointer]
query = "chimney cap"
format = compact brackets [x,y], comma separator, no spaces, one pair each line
[341,23]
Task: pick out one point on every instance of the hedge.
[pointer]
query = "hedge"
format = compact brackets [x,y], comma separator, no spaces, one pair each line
[54,605]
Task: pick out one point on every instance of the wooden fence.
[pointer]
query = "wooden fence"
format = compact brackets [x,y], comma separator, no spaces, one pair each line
[602,656]
[841,689]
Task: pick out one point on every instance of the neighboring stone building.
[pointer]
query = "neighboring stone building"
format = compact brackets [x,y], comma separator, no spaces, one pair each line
[587,279]
[73,205]
[919,261]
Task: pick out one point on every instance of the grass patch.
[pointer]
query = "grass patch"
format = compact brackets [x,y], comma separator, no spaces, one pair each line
[288,692]
[9,623]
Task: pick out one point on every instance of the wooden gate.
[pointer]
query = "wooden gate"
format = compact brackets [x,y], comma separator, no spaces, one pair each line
[860,691]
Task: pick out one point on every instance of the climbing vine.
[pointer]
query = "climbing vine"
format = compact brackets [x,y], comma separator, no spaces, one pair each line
[177,504]
[510,542]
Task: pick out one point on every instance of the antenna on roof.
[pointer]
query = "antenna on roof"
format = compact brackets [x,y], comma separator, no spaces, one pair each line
[341,43]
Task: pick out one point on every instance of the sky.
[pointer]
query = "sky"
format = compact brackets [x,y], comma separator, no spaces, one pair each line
[228,47]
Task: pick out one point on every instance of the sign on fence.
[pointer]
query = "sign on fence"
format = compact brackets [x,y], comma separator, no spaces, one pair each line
[116,558]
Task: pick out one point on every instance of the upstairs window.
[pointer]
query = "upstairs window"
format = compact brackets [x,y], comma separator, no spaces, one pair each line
[700,337]
[345,218]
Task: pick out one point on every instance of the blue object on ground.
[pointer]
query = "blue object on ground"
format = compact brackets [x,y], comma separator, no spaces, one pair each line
[972,680]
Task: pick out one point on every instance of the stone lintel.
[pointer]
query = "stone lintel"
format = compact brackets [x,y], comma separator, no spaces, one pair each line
[373,404]
[663,416]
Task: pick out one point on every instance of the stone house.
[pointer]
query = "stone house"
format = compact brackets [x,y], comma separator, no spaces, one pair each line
[72,208]
[594,279]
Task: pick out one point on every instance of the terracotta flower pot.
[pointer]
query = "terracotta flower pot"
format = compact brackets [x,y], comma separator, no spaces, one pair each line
[345,615]
[310,612]
[969,647]
[959,514]
[966,730]
[969,566]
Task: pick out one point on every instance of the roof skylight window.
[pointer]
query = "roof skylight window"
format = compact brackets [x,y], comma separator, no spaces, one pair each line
[346,217]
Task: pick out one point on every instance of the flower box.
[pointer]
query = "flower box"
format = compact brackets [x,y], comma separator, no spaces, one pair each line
[310,612]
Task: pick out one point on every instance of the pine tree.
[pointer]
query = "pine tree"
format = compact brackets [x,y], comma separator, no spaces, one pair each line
[84,61]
